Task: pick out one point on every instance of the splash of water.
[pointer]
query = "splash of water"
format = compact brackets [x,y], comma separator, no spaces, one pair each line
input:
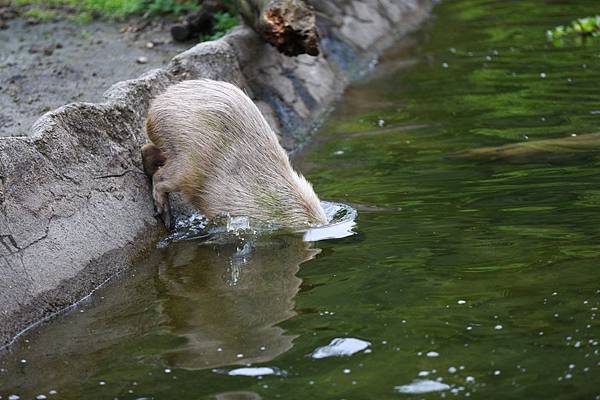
[341,220]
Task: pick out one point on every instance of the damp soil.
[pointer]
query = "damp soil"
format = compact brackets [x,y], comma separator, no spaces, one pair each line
[44,65]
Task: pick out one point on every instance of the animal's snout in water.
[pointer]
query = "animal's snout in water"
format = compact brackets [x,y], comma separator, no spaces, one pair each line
[211,143]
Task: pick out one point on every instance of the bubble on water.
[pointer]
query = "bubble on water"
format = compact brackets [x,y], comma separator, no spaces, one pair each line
[488,58]
[52,392]
[568,376]
[422,386]
[340,347]
[101,383]
[338,152]
[381,123]
[451,370]
[498,327]
[541,333]
[433,354]
[469,379]
[347,371]
[461,301]
[23,361]
[423,373]
[41,397]
[469,328]
[543,75]
[577,344]
[444,65]
[167,370]
[14,397]
[497,372]
[253,371]
[240,355]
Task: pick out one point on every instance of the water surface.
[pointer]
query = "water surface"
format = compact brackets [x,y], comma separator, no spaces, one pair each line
[466,278]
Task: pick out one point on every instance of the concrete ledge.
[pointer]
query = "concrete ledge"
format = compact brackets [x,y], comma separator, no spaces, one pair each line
[75,205]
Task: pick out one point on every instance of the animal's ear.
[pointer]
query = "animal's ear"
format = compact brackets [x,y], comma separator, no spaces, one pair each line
[152,158]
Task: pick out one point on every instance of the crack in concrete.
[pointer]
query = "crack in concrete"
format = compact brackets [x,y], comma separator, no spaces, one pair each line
[119,175]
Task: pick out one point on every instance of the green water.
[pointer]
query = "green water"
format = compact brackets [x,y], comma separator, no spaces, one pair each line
[493,265]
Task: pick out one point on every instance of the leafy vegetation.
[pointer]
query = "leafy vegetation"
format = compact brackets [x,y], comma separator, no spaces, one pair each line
[117,8]
[169,6]
[40,14]
[579,28]
[224,21]
[83,11]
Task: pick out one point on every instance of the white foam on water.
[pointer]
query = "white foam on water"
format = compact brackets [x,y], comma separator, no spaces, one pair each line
[422,386]
[340,347]
[249,371]
[341,218]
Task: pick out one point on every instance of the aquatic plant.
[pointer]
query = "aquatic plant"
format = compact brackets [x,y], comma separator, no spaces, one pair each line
[579,28]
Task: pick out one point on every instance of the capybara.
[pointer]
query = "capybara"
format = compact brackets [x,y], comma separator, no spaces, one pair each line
[211,143]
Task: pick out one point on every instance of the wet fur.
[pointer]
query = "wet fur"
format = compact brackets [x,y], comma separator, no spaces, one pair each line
[211,143]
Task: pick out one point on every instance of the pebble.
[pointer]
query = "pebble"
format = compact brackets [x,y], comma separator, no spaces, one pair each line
[142,60]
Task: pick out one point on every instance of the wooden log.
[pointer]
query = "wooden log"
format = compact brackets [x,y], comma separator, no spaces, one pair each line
[289,25]
[568,149]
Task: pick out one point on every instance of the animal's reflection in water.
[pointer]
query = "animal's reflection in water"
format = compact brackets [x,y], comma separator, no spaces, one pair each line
[176,309]
[227,300]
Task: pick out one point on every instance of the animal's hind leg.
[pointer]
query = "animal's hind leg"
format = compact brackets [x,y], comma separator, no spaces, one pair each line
[164,182]
[152,158]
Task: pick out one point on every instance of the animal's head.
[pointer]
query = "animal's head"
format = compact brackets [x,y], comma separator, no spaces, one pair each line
[291,202]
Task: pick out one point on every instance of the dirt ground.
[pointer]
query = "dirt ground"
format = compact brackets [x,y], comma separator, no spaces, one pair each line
[44,65]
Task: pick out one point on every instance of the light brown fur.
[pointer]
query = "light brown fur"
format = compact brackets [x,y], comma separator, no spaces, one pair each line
[224,158]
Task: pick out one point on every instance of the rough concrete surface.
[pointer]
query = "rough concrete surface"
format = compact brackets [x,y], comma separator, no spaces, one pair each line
[75,206]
